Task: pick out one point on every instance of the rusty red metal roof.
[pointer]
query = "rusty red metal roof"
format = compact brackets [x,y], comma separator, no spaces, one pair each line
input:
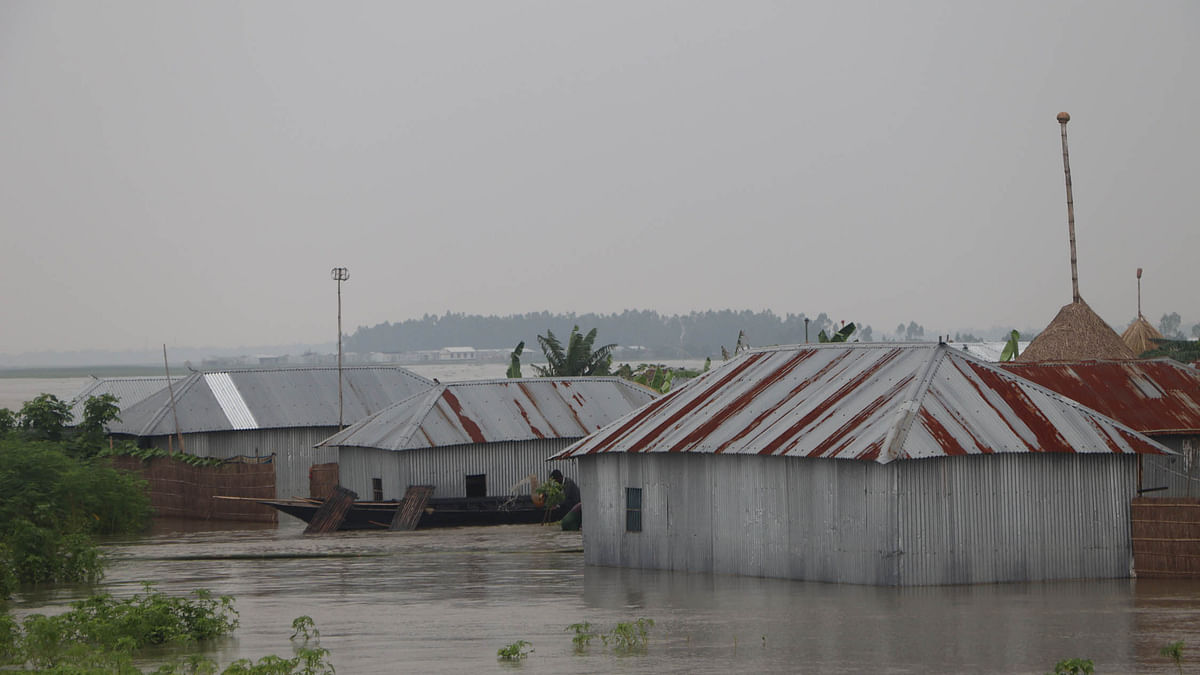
[490,411]
[1159,396]
[868,401]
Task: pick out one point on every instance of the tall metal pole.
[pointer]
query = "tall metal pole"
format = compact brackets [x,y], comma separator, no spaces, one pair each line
[1063,118]
[340,274]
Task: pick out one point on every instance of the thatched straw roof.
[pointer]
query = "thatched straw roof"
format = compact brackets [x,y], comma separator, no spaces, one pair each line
[1140,336]
[1076,334]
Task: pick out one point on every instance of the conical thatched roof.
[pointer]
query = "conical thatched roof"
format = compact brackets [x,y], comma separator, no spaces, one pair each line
[1140,336]
[1076,334]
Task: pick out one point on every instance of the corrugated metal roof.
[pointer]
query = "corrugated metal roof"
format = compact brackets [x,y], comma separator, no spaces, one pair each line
[270,398]
[1157,396]
[128,390]
[865,401]
[490,411]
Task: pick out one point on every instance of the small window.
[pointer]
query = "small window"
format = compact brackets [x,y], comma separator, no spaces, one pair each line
[477,485]
[377,488]
[633,509]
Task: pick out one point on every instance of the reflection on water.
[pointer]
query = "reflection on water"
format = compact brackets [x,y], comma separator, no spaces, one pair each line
[443,601]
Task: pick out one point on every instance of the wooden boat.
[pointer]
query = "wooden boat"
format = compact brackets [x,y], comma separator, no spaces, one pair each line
[441,512]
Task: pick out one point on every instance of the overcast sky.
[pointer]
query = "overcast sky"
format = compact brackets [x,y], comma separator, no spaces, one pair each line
[188,173]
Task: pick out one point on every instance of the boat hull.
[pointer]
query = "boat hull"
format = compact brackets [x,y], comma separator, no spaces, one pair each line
[445,512]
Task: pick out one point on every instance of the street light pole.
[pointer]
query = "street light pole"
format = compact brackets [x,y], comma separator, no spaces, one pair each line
[340,274]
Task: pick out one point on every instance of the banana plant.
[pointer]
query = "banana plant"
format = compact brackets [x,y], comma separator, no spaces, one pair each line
[1011,349]
[514,366]
[841,336]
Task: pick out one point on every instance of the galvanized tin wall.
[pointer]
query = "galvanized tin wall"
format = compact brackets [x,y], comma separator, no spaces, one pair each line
[1180,474]
[293,450]
[506,464]
[917,522]
[1015,518]
[737,514]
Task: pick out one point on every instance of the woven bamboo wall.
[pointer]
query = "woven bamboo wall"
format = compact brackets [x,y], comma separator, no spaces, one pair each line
[1166,537]
[322,479]
[179,490]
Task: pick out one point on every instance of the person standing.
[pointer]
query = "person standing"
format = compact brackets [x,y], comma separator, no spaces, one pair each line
[573,519]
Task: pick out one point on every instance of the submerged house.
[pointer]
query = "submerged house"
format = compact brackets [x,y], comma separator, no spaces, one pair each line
[265,413]
[863,463]
[1158,397]
[477,439]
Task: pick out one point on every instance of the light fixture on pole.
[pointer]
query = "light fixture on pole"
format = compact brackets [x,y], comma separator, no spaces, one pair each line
[340,274]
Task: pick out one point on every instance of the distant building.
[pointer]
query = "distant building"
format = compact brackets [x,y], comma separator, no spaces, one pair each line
[868,463]
[265,412]
[477,439]
[458,354]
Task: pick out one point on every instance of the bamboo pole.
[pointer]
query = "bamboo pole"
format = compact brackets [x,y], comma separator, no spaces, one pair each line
[174,414]
[1063,118]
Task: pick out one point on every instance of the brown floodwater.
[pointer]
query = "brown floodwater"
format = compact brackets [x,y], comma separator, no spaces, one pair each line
[443,601]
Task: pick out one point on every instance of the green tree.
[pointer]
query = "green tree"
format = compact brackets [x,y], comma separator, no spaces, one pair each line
[8,420]
[578,359]
[45,416]
[1169,326]
[98,411]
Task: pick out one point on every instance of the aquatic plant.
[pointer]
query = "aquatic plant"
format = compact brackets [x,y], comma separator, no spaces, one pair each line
[515,651]
[1174,651]
[583,635]
[104,635]
[101,633]
[628,637]
[1074,667]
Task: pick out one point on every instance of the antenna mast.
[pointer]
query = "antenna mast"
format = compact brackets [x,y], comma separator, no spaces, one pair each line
[1063,118]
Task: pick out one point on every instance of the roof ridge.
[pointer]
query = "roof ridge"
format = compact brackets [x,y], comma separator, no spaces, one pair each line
[421,412]
[898,432]
[172,396]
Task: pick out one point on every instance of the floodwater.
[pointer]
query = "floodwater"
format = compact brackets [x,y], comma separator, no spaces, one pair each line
[444,601]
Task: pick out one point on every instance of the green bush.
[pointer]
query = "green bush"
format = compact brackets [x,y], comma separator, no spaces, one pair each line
[51,502]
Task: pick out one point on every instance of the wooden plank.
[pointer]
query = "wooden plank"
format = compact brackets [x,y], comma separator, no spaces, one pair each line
[331,514]
[408,514]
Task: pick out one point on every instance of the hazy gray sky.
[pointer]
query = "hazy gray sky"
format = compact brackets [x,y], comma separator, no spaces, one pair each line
[187,173]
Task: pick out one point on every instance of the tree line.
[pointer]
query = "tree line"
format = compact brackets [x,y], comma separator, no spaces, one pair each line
[694,335]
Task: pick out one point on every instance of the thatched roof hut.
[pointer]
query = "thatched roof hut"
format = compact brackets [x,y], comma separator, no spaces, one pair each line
[1077,333]
[1141,335]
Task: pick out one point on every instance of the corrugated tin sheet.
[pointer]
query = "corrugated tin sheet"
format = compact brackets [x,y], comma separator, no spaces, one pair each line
[270,398]
[230,400]
[491,411]
[1159,396]
[128,390]
[866,401]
